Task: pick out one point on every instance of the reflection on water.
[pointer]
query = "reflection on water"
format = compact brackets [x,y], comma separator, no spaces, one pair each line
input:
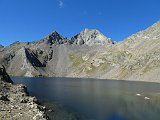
[99,99]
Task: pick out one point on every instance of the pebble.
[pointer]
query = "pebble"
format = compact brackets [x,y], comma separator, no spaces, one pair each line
[50,110]
[138,94]
[146,98]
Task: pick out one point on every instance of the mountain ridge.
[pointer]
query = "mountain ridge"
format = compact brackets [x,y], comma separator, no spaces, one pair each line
[87,54]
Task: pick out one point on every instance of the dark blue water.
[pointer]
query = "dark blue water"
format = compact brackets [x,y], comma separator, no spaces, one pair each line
[98,99]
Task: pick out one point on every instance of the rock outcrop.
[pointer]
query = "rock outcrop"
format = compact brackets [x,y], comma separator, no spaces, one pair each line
[15,104]
[4,76]
[55,38]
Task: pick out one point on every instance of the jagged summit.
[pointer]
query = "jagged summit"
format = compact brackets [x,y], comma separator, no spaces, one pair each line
[53,38]
[89,30]
[88,37]
[55,34]
[91,37]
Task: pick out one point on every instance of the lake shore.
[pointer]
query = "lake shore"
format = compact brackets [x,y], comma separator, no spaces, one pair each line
[15,102]
[94,98]
[93,78]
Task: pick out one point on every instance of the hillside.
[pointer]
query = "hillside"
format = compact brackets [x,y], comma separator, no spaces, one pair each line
[135,58]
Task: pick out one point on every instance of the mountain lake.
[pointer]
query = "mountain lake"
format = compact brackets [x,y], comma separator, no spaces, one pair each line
[93,99]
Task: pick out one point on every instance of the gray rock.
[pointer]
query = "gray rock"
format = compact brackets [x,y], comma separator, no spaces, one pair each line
[91,37]
[4,98]
[4,76]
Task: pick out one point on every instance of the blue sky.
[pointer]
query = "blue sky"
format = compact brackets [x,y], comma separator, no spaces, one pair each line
[28,20]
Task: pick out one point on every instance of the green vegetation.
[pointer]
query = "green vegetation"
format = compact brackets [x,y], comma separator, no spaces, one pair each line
[76,60]
[93,69]
[123,73]
[105,66]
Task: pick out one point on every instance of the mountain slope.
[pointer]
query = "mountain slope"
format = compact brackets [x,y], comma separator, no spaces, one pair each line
[24,63]
[135,58]
[145,40]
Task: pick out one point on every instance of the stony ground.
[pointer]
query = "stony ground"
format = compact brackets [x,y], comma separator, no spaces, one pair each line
[15,104]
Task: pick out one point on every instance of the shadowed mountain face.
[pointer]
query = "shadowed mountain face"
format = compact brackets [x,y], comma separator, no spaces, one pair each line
[56,39]
[88,54]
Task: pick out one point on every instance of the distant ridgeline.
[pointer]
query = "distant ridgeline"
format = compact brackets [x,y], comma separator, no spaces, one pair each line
[87,54]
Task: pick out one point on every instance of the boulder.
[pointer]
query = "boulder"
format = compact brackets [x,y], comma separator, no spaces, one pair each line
[4,76]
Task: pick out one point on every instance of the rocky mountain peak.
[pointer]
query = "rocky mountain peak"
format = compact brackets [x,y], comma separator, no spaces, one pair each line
[55,34]
[93,31]
[54,38]
[91,37]
[90,32]
[88,37]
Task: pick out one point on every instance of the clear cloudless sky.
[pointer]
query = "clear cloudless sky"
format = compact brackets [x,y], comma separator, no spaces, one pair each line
[28,20]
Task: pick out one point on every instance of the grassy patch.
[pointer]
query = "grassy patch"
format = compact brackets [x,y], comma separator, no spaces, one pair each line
[76,60]
[93,69]
[123,73]
[105,66]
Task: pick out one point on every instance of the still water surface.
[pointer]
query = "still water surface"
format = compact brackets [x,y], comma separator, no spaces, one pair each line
[93,99]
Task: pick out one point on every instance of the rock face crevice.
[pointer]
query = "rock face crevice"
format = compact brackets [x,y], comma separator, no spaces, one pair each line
[31,57]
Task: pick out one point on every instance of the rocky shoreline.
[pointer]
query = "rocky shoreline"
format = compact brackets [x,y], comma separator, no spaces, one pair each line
[15,102]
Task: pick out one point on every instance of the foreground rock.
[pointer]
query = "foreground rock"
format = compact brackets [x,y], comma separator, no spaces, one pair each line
[15,104]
